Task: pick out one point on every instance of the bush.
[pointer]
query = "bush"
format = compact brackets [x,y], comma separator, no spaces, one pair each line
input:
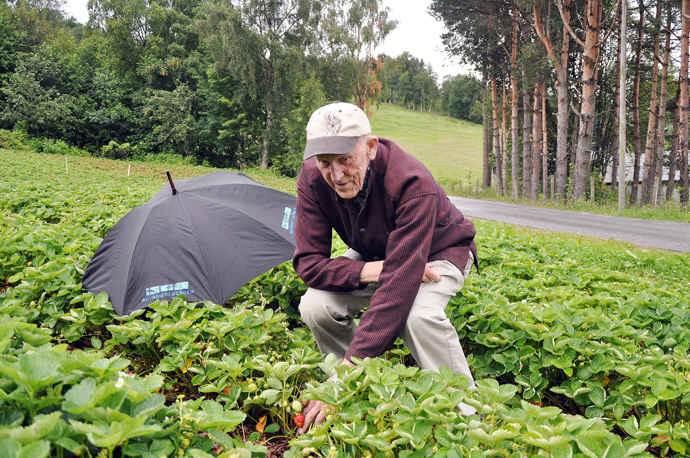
[14,139]
[19,140]
[59,147]
[114,150]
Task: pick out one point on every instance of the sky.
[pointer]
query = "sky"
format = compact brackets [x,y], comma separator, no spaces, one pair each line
[417,33]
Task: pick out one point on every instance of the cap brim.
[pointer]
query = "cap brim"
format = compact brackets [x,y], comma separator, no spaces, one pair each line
[329,145]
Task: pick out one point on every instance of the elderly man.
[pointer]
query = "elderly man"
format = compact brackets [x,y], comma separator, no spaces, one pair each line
[410,248]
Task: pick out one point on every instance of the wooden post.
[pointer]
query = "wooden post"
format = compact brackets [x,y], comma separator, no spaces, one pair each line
[553,195]
[460,188]
[591,188]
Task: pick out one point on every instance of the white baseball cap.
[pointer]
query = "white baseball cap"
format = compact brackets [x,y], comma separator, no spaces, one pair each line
[335,129]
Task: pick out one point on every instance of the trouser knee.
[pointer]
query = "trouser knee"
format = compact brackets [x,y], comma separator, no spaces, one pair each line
[426,323]
[310,310]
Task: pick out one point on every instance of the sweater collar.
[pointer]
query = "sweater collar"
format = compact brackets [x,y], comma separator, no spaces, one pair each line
[362,194]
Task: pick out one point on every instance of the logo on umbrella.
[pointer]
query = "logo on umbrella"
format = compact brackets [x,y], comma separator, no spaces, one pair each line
[171,289]
[289,219]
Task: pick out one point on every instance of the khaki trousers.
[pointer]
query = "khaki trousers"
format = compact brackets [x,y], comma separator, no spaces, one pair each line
[428,334]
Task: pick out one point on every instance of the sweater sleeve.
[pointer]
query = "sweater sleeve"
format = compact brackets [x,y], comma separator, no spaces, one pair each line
[407,252]
[314,235]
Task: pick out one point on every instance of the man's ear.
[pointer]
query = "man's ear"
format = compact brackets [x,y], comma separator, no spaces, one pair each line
[372,145]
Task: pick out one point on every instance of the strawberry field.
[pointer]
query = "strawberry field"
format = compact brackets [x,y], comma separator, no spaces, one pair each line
[580,347]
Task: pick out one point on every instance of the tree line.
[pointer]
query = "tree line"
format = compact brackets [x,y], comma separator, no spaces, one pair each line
[550,80]
[229,83]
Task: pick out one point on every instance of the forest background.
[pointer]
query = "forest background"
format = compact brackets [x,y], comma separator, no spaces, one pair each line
[232,83]
[213,82]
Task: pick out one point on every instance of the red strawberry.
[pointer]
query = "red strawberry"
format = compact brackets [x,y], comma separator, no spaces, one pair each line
[298,420]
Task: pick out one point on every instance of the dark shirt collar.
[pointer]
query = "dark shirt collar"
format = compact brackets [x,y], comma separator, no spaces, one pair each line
[362,194]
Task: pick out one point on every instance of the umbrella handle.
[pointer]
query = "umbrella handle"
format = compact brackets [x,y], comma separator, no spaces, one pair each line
[172,185]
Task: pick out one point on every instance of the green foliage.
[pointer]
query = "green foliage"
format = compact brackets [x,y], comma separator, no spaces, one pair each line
[10,43]
[310,97]
[45,111]
[462,98]
[175,123]
[114,150]
[411,83]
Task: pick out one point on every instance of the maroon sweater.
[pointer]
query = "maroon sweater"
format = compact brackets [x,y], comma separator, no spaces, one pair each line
[406,220]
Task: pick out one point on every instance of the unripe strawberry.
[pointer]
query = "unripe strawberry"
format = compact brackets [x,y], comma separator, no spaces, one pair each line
[297,406]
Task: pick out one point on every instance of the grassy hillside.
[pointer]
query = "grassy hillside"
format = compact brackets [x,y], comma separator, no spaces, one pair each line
[450,148]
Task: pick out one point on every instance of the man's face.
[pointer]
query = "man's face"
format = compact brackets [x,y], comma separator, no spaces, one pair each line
[345,173]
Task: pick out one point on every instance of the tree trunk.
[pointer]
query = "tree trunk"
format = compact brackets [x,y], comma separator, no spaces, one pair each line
[486,182]
[504,144]
[514,111]
[650,144]
[544,144]
[583,154]
[270,116]
[562,92]
[536,142]
[636,110]
[661,129]
[497,133]
[526,141]
[616,121]
[673,157]
[683,102]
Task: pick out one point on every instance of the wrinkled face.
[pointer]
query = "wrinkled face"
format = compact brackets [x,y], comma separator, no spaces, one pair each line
[345,173]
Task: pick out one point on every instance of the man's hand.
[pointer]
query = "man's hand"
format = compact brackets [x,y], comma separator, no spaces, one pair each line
[316,411]
[371,271]
[430,274]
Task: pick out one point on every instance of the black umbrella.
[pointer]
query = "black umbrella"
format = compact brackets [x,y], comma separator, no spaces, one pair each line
[204,239]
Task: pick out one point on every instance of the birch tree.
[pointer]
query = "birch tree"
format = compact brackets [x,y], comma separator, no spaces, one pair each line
[591,46]
[661,127]
[536,141]
[261,40]
[636,107]
[652,139]
[683,102]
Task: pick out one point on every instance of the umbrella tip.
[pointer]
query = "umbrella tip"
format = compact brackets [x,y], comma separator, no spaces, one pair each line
[172,185]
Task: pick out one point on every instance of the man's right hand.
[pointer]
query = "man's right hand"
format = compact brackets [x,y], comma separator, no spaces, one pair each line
[372,270]
[314,412]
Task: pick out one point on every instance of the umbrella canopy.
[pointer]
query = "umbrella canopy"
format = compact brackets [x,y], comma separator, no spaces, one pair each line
[204,238]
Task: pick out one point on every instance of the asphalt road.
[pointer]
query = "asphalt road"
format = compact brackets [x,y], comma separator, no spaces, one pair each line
[667,235]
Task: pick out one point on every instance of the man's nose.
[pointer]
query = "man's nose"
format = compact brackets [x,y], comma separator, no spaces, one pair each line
[336,172]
